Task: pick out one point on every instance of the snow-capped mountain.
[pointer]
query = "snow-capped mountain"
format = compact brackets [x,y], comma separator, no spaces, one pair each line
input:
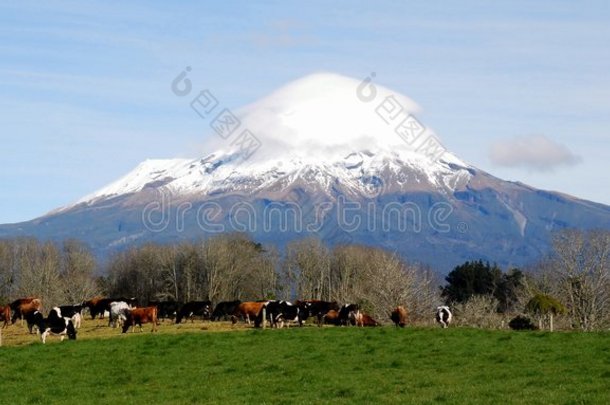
[335,158]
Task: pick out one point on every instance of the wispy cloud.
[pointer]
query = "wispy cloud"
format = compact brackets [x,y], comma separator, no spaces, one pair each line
[534,152]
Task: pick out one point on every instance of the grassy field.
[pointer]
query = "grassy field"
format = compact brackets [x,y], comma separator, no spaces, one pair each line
[202,363]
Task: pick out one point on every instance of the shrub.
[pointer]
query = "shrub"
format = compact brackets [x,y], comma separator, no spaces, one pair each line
[521,322]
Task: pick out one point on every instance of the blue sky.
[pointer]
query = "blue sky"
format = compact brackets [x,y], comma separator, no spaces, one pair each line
[85,86]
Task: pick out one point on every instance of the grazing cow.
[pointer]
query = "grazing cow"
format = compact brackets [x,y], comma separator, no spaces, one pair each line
[24,306]
[278,312]
[363,319]
[348,314]
[166,309]
[443,316]
[117,313]
[225,310]
[317,308]
[194,308]
[399,316]
[250,310]
[5,315]
[55,324]
[331,318]
[74,312]
[99,305]
[139,316]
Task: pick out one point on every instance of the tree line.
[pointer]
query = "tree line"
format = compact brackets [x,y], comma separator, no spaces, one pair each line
[226,267]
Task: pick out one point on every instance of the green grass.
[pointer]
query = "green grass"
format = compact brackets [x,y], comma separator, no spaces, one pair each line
[312,365]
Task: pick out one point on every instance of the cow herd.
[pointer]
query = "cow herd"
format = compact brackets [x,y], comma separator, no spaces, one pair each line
[124,313]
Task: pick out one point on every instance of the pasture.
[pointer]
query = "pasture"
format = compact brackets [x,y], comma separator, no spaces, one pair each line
[218,363]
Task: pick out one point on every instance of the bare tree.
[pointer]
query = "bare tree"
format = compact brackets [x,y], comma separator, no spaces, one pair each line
[581,263]
[307,269]
[478,311]
[7,269]
[78,272]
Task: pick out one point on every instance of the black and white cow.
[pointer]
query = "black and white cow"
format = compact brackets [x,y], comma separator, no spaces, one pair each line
[55,324]
[348,314]
[282,312]
[117,313]
[74,312]
[316,308]
[195,308]
[443,316]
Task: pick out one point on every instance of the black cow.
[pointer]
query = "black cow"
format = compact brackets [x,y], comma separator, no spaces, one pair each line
[194,308]
[280,312]
[166,309]
[32,319]
[317,309]
[225,309]
[55,324]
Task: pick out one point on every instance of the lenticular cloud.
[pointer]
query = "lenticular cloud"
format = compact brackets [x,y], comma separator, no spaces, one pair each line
[534,152]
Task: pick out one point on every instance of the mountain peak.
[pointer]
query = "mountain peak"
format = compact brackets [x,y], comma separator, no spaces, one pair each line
[322,115]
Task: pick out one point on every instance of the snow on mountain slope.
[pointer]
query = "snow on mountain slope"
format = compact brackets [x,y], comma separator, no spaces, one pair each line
[314,129]
[351,174]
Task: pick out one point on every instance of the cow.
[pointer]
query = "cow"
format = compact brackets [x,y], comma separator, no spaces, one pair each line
[139,316]
[117,316]
[194,308]
[23,306]
[363,319]
[74,312]
[33,318]
[55,324]
[443,316]
[331,318]
[225,310]
[99,305]
[348,314]
[399,316]
[5,315]
[166,309]
[280,312]
[317,308]
[250,310]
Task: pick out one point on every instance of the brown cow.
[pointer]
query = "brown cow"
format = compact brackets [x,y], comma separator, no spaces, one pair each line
[331,318]
[250,310]
[24,306]
[93,305]
[399,316]
[363,319]
[5,315]
[139,316]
